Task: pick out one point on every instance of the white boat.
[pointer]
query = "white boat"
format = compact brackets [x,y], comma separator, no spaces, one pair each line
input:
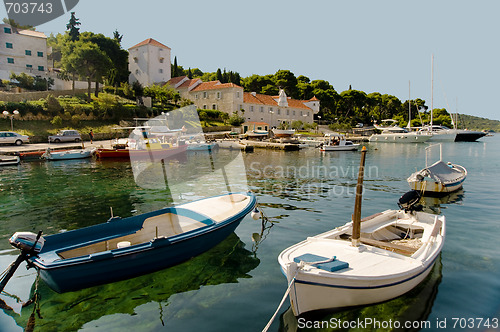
[9,160]
[257,133]
[68,154]
[337,142]
[396,134]
[283,132]
[439,133]
[364,262]
[439,178]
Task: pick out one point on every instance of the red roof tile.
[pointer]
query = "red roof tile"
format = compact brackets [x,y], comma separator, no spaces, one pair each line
[272,100]
[150,41]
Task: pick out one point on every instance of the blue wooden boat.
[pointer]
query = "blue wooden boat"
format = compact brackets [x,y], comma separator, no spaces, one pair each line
[125,248]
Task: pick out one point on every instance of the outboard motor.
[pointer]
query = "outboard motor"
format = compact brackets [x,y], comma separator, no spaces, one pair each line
[30,244]
[409,201]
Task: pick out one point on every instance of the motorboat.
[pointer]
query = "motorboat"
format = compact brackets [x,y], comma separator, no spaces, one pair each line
[68,154]
[337,142]
[439,133]
[439,178]
[364,261]
[9,160]
[148,148]
[396,134]
[257,133]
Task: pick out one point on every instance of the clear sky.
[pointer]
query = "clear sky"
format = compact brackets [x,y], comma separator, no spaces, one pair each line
[374,46]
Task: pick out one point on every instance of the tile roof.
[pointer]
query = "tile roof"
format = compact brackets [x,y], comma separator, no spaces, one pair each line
[249,98]
[150,41]
[215,85]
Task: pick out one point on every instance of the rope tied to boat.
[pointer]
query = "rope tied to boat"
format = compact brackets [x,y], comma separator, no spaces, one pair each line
[290,284]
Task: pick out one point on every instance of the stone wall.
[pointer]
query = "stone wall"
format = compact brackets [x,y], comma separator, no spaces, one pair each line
[35,95]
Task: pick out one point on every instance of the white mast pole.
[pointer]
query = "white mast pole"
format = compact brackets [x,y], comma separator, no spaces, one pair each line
[409,107]
[432,88]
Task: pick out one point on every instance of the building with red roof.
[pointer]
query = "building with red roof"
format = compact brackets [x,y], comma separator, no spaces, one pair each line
[254,107]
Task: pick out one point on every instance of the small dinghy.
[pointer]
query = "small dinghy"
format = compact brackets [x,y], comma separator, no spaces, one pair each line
[68,154]
[365,261]
[9,160]
[439,178]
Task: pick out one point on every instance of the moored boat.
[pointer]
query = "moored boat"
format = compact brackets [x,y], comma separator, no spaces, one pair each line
[337,142]
[439,178]
[365,261]
[68,154]
[283,132]
[9,160]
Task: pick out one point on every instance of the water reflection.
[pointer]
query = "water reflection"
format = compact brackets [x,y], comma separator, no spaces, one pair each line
[434,204]
[414,306]
[225,263]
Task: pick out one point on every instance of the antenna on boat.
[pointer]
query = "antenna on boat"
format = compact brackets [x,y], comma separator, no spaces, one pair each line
[356,217]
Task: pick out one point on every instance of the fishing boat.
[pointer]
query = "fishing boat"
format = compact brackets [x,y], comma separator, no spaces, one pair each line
[68,154]
[337,142]
[439,178]
[257,133]
[9,160]
[364,261]
[123,248]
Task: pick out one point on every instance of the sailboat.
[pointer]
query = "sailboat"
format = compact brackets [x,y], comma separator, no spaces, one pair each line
[365,261]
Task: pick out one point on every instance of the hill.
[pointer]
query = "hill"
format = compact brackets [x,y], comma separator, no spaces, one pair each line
[477,123]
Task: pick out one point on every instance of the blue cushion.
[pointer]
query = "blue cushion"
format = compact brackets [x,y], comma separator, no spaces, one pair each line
[332,266]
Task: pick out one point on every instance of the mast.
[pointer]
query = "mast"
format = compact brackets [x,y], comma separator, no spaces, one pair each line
[432,88]
[356,217]
[409,107]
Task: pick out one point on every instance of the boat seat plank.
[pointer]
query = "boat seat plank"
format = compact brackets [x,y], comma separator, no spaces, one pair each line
[164,225]
[389,246]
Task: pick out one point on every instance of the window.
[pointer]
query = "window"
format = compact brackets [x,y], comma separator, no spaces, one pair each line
[160,71]
[39,54]
[7,30]
[214,106]
[9,45]
[262,109]
[161,60]
[251,108]
[270,109]
[204,107]
[10,60]
[237,94]
[136,60]
[196,96]
[41,68]
[137,71]
[294,113]
[205,95]
[29,67]
[27,52]
[279,111]
[287,112]
[301,114]
[219,95]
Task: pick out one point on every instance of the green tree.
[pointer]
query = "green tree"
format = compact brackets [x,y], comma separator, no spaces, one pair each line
[72,27]
[286,80]
[219,76]
[89,61]
[117,37]
[175,68]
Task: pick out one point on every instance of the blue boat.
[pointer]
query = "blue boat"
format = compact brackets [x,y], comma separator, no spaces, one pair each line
[124,248]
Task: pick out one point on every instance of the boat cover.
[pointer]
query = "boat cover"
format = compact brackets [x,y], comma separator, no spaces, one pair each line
[441,172]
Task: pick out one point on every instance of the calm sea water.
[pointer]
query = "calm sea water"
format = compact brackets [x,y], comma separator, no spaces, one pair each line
[238,285]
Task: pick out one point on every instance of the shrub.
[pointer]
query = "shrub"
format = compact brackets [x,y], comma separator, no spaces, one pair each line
[53,105]
[75,120]
[56,121]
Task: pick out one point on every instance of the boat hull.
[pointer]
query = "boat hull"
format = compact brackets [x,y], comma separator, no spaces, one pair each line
[86,270]
[68,155]
[9,160]
[310,295]
[399,138]
[469,136]
[443,136]
[352,147]
[140,154]
[435,187]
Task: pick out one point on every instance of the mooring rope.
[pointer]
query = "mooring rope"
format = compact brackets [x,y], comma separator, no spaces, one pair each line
[281,304]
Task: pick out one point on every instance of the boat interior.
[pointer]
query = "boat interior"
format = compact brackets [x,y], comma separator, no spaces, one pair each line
[160,226]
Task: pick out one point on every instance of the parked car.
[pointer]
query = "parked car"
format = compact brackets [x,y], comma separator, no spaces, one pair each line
[10,137]
[65,136]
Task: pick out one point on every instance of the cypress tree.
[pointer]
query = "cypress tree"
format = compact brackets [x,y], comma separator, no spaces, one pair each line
[74,32]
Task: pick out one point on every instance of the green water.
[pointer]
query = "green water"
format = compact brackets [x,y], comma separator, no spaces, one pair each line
[238,285]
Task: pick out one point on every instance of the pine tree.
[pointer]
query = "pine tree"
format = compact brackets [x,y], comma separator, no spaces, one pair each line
[74,32]
[190,74]
[117,37]
[175,70]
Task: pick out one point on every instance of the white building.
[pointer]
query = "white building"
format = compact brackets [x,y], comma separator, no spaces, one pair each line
[149,62]
[22,51]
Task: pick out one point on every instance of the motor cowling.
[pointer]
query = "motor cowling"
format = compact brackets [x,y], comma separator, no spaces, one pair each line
[27,241]
[409,201]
